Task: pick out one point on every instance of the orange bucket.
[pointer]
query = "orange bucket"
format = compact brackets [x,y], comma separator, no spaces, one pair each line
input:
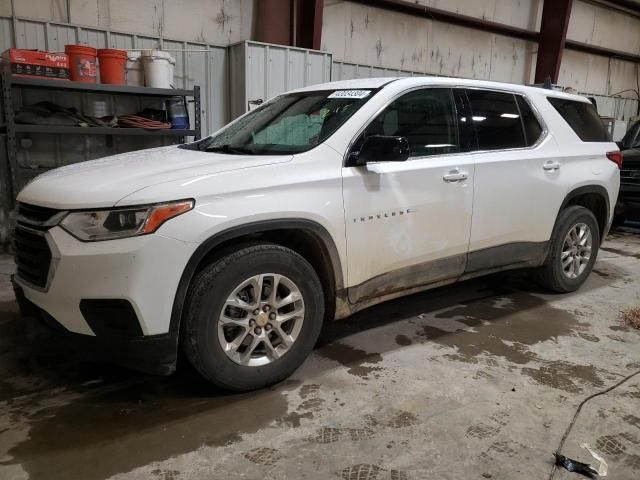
[82,63]
[113,66]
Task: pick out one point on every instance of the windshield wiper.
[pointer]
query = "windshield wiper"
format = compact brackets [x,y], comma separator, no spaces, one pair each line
[230,150]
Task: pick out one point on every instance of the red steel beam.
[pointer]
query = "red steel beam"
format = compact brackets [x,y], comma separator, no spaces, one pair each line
[553,35]
[275,21]
[309,24]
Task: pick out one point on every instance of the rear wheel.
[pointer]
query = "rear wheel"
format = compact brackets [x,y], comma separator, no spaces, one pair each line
[252,317]
[573,250]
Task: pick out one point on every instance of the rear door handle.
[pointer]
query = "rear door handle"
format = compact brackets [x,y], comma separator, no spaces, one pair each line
[455,176]
[551,165]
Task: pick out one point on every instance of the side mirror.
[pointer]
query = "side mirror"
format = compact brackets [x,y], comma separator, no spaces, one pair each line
[380,148]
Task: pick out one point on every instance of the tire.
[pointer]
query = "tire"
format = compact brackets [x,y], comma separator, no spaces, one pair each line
[203,337]
[552,274]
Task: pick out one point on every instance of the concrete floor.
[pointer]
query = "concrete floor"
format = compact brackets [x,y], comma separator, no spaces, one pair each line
[477,380]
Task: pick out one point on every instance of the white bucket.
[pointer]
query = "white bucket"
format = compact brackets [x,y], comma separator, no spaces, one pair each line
[158,68]
[135,70]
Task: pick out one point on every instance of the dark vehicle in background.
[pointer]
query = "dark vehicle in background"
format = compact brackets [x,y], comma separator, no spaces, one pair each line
[628,205]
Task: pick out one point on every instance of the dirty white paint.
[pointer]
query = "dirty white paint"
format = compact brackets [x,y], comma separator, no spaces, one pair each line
[368,41]
[604,27]
[203,21]
[359,34]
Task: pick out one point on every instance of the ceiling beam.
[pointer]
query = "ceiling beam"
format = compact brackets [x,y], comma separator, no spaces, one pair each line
[411,8]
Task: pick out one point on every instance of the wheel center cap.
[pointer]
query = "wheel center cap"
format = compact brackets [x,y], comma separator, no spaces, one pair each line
[262,319]
[574,250]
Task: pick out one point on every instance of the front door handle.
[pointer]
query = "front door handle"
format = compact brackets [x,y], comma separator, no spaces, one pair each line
[455,176]
[551,165]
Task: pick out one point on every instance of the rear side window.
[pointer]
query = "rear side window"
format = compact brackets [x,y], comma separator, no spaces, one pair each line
[582,118]
[532,127]
[496,118]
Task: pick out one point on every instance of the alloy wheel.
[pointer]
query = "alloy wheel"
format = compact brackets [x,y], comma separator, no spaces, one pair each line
[576,250]
[261,319]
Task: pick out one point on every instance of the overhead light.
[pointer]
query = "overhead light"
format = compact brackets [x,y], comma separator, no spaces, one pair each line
[509,115]
[478,119]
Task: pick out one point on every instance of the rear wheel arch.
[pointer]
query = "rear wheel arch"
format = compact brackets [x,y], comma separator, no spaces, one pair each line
[596,199]
[306,237]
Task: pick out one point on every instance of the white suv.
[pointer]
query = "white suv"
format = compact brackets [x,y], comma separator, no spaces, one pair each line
[321,202]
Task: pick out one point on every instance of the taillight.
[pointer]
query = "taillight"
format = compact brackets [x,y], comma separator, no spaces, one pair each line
[615,157]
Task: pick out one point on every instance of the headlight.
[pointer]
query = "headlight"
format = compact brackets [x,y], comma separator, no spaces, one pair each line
[122,222]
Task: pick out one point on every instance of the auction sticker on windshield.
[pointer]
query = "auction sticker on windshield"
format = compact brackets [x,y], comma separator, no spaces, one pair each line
[350,94]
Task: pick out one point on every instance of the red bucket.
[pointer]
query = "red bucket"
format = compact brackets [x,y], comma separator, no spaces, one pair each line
[82,63]
[113,66]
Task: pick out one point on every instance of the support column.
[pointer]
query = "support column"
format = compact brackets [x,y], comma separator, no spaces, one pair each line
[309,24]
[275,21]
[553,34]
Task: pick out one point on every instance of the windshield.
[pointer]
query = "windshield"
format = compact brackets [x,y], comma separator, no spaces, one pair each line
[288,124]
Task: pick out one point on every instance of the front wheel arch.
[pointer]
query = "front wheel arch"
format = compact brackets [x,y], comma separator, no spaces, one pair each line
[247,231]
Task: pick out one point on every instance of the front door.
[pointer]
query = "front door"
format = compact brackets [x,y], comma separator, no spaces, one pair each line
[408,223]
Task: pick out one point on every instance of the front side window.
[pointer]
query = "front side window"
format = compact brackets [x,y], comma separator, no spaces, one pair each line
[291,123]
[583,119]
[425,117]
[496,118]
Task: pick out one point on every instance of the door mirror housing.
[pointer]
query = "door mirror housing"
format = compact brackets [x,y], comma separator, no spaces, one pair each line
[380,148]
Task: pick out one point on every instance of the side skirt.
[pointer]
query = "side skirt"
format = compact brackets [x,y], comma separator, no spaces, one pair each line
[429,275]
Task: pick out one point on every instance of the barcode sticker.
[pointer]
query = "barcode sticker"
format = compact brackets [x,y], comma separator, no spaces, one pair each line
[350,94]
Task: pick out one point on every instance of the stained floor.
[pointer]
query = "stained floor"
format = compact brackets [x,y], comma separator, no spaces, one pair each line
[477,380]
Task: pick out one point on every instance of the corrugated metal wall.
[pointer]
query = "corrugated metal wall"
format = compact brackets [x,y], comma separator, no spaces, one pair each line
[370,41]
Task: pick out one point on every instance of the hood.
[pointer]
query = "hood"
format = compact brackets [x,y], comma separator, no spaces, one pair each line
[101,183]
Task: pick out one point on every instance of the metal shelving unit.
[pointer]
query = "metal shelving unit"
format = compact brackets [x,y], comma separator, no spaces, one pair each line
[10,171]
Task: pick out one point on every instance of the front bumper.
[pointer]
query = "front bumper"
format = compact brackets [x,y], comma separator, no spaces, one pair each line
[155,354]
[141,272]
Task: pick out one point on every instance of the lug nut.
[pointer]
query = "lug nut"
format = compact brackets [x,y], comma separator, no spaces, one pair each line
[272,316]
[252,322]
[256,311]
[258,330]
[266,308]
[267,327]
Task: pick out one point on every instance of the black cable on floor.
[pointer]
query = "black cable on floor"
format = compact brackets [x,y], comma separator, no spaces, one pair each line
[575,415]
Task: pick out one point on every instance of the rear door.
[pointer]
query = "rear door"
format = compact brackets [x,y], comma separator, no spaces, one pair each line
[408,223]
[517,181]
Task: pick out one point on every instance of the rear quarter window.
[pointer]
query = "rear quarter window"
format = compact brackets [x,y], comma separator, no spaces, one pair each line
[583,119]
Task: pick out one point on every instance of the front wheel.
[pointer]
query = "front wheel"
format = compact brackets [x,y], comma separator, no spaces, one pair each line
[574,247]
[252,317]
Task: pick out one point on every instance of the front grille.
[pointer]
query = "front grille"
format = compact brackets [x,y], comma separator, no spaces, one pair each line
[33,255]
[630,176]
[34,216]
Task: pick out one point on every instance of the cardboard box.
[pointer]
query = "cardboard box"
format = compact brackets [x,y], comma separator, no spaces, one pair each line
[34,63]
